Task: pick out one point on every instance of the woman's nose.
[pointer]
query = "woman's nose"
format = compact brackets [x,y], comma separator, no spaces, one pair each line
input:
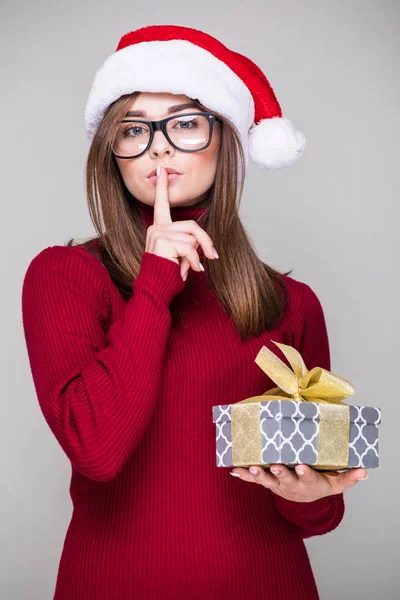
[160,144]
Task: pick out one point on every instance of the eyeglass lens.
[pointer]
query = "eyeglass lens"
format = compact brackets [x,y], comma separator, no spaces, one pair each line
[187,132]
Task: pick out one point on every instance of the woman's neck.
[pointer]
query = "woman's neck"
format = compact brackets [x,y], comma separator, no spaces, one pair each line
[178,213]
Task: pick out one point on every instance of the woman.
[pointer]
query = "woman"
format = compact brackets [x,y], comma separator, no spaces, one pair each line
[133,337]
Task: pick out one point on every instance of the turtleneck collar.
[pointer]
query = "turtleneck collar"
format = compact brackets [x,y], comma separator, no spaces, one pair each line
[178,213]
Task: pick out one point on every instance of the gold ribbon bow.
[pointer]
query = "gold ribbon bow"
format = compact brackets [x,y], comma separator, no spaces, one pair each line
[317,385]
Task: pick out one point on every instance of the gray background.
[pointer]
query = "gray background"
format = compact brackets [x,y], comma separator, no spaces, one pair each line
[332,217]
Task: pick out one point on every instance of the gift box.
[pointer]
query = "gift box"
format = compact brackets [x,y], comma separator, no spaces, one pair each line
[302,421]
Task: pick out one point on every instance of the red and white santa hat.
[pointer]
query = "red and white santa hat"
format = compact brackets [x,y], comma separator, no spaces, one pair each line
[182,60]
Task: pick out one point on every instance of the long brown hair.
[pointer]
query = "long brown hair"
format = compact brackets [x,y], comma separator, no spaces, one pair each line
[253,294]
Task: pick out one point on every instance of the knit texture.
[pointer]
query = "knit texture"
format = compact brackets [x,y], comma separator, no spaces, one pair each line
[128,396]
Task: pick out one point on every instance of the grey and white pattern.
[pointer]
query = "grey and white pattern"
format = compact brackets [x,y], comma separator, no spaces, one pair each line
[290,430]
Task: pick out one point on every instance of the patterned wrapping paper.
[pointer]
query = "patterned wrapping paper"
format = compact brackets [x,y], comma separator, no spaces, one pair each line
[303,421]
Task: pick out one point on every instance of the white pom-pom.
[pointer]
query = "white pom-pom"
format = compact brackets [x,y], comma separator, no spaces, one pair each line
[274,143]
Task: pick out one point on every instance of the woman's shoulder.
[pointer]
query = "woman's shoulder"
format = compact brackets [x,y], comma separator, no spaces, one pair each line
[294,286]
[85,252]
[80,260]
[300,294]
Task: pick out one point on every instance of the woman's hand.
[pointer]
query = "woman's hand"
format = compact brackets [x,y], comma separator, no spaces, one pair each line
[178,241]
[310,486]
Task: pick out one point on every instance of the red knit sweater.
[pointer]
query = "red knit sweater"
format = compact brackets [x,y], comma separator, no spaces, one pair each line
[129,398]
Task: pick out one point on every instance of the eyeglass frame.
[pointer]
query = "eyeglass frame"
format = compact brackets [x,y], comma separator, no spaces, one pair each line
[162,126]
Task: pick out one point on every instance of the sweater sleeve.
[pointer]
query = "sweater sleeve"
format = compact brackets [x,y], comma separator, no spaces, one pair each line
[97,389]
[310,338]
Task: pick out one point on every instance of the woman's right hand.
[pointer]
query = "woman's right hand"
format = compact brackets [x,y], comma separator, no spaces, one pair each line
[178,241]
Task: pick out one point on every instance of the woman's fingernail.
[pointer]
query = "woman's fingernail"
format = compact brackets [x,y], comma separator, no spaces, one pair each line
[235,474]
[215,253]
[299,471]
[158,170]
[201,266]
[254,471]
[275,471]
[362,478]
[185,276]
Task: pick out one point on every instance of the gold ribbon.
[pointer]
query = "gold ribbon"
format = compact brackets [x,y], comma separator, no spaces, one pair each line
[318,385]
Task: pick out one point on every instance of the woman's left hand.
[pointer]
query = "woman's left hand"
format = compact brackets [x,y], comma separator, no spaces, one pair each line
[310,486]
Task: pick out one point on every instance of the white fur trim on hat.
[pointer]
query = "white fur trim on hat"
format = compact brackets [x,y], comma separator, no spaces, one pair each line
[274,143]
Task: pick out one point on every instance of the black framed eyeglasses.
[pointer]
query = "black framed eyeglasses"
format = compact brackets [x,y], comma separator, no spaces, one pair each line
[190,132]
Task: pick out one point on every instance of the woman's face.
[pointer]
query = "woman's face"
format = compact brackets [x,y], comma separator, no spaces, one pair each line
[197,168]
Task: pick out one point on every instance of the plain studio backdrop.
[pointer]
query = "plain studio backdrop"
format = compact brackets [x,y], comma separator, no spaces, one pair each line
[332,217]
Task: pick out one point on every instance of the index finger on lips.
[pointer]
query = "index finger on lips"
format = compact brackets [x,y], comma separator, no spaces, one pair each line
[162,213]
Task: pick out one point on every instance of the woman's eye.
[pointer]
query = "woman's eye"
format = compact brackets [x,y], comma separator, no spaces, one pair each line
[133,131]
[187,124]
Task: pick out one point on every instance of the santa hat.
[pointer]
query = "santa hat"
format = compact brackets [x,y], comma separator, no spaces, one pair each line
[182,60]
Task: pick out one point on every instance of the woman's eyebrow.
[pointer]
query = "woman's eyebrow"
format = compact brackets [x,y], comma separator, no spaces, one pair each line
[171,109]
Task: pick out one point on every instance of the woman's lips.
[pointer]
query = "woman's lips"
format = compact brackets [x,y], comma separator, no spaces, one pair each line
[171,177]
